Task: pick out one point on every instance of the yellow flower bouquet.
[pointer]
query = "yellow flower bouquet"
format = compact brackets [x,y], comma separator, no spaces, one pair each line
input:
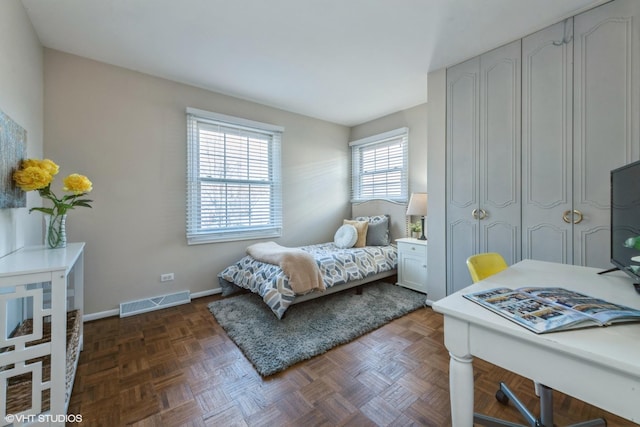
[38,175]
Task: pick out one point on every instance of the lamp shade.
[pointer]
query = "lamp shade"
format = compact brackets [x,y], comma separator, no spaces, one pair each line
[417,204]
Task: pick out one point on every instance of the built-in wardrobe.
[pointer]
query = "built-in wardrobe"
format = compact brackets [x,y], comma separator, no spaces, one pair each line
[533,130]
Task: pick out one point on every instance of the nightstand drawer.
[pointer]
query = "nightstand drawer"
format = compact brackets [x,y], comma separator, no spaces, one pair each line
[412,248]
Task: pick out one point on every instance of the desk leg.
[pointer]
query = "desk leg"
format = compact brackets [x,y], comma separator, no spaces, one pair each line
[461,390]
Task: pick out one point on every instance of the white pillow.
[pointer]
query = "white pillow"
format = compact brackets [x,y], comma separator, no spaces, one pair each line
[346,236]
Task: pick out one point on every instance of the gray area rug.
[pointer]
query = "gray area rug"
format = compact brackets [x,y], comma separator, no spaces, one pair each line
[312,327]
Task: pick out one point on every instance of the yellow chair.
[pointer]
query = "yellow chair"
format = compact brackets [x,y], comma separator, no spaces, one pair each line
[484,265]
[480,267]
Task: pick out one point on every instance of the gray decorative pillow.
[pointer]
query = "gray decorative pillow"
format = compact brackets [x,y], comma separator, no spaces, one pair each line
[378,231]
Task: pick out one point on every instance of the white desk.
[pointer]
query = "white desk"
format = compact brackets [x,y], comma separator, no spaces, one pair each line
[599,365]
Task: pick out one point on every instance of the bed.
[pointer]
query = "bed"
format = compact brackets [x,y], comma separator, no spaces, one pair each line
[340,268]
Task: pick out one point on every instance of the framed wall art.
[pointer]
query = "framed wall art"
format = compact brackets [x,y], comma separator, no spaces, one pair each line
[13,149]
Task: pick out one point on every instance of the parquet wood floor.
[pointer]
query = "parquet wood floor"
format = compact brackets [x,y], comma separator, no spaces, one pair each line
[177,367]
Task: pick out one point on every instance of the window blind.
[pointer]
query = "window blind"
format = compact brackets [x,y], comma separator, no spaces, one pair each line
[379,167]
[233,183]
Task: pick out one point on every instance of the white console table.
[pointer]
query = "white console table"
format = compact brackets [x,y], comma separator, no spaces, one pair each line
[42,285]
[599,365]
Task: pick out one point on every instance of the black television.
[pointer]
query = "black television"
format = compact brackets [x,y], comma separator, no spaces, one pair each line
[625,220]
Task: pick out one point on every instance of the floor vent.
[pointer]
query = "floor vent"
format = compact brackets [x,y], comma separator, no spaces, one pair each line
[156,303]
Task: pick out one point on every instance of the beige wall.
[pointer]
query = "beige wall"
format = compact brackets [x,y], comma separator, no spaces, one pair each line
[127,132]
[436,167]
[21,88]
[416,120]
[426,131]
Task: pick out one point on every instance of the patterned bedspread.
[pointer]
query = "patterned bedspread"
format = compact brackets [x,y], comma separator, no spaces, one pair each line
[337,266]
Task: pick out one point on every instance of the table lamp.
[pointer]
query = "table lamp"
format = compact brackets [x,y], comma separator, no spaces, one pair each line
[418,206]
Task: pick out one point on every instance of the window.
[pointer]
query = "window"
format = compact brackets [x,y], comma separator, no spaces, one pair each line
[379,167]
[233,182]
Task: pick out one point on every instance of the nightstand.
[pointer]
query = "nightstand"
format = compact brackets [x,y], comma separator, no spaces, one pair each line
[412,264]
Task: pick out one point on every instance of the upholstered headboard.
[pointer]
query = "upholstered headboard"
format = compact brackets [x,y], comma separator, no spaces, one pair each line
[396,211]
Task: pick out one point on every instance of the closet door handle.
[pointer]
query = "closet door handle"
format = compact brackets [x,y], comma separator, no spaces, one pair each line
[479,214]
[580,217]
[568,220]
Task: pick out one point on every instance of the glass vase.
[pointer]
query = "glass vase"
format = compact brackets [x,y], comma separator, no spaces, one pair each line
[55,232]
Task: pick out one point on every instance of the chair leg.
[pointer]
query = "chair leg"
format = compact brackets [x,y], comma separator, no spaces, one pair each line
[528,416]
[546,405]
[484,420]
[504,395]
[546,410]
[598,422]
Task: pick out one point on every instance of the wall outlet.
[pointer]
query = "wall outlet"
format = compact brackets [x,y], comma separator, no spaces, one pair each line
[167,277]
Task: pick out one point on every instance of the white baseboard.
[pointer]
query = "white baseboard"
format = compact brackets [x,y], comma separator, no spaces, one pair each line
[116,312]
[206,293]
[100,315]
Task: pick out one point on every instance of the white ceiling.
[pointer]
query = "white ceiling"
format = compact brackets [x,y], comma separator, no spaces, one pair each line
[345,61]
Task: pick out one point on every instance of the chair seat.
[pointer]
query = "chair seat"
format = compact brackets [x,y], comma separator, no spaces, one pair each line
[484,265]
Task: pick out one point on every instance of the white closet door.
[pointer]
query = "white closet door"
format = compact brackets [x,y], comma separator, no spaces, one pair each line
[606,117]
[500,152]
[463,102]
[483,160]
[547,120]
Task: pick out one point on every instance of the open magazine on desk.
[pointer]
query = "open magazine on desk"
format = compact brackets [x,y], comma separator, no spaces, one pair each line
[543,309]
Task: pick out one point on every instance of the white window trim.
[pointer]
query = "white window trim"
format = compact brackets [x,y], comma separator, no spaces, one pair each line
[195,237]
[381,138]
[235,121]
